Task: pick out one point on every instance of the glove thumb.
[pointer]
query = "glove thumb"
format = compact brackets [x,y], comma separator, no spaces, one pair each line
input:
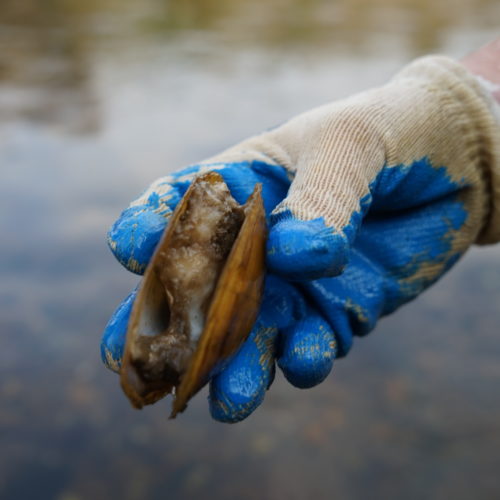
[313,228]
[299,249]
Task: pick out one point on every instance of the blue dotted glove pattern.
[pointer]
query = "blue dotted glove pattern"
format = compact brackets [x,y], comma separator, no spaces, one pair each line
[324,285]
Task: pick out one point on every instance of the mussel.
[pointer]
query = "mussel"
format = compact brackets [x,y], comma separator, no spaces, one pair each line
[199,297]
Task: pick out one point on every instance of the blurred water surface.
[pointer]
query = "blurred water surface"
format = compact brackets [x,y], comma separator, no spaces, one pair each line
[97,99]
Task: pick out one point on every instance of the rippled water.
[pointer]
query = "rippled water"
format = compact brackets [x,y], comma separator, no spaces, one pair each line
[97,99]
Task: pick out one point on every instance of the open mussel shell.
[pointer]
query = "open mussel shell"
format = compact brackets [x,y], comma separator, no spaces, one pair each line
[199,297]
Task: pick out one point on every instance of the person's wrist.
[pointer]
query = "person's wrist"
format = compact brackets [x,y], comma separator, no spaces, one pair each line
[484,63]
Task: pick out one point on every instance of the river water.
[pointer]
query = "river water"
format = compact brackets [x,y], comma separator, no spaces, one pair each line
[97,99]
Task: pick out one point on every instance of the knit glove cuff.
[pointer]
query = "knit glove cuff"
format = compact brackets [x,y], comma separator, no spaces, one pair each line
[479,117]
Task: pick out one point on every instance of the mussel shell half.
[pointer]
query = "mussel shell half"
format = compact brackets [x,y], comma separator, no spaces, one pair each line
[199,297]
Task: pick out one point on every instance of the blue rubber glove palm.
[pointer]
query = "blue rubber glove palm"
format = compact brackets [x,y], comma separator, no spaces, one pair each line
[388,191]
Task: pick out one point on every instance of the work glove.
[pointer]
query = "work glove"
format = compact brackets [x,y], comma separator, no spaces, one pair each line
[369,201]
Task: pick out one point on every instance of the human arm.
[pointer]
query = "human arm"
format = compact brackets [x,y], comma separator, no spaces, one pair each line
[485,63]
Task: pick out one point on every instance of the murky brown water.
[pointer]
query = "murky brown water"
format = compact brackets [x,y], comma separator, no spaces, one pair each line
[97,99]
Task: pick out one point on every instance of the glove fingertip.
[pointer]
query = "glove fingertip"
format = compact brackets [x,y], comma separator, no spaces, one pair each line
[308,350]
[240,388]
[229,402]
[134,236]
[305,250]
[114,335]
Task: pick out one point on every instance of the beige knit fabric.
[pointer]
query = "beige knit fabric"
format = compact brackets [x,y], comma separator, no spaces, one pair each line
[432,108]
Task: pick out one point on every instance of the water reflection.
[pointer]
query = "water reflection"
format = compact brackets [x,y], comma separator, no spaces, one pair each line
[43,67]
[44,47]
[99,98]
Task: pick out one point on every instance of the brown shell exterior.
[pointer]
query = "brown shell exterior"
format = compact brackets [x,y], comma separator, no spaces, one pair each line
[232,310]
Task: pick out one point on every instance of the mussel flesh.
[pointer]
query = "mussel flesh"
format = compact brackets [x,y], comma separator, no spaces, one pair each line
[199,297]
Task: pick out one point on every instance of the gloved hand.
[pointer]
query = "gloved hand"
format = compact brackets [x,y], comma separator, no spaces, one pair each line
[370,200]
